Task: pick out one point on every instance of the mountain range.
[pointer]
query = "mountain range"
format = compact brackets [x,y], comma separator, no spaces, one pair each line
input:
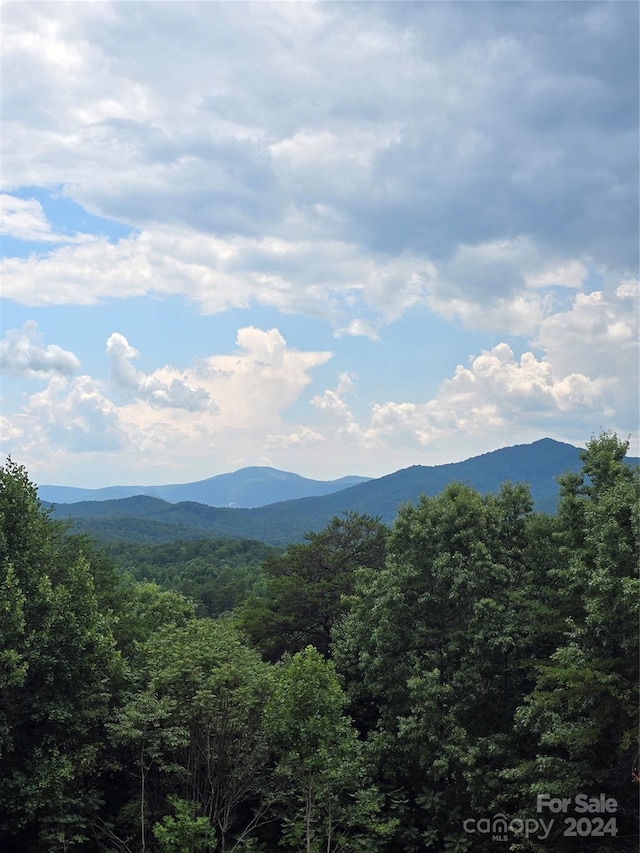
[150,519]
[246,488]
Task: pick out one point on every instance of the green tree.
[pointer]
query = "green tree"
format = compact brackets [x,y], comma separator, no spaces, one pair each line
[59,665]
[326,803]
[184,832]
[145,608]
[217,574]
[436,651]
[194,728]
[303,590]
[583,710]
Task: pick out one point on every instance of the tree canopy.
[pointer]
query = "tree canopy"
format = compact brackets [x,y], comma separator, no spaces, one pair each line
[369,690]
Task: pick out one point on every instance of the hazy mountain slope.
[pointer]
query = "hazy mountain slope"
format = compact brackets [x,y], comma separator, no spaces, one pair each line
[538,464]
[248,487]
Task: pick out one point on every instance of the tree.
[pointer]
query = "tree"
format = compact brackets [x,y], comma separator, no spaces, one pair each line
[217,574]
[145,608]
[185,832]
[194,729]
[326,801]
[303,595]
[436,650]
[583,710]
[59,662]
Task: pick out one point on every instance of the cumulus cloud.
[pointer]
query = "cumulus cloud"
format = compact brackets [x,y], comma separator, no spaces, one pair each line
[78,275]
[343,163]
[502,285]
[300,438]
[149,418]
[22,354]
[342,158]
[9,431]
[178,393]
[598,336]
[571,274]
[330,279]
[350,162]
[357,327]
[23,219]
[524,388]
[75,415]
[261,380]
[496,393]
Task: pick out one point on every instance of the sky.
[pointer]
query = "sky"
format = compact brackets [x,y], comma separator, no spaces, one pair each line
[331,238]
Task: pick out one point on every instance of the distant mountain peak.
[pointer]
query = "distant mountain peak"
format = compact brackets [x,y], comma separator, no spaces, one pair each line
[249,487]
[151,519]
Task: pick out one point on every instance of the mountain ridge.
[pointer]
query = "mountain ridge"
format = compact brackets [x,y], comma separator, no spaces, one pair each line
[149,519]
[245,488]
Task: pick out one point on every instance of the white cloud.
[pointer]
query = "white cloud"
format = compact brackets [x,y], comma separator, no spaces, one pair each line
[523,389]
[298,439]
[598,335]
[495,287]
[346,161]
[357,328]
[572,274]
[499,398]
[422,129]
[179,393]
[322,278]
[330,401]
[75,415]
[24,219]
[323,159]
[261,380]
[345,383]
[500,286]
[251,386]
[242,391]
[9,431]
[149,418]
[587,374]
[496,394]
[342,160]
[22,354]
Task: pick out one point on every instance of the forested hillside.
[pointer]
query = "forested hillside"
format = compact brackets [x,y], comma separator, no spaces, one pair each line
[248,487]
[145,519]
[216,574]
[463,680]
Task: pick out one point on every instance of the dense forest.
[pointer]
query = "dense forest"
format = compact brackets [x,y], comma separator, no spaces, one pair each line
[463,680]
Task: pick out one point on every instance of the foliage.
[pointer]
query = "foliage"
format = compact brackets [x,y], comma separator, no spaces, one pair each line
[326,803]
[185,832]
[194,727]
[582,711]
[474,656]
[217,574]
[302,596]
[59,663]
[435,649]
